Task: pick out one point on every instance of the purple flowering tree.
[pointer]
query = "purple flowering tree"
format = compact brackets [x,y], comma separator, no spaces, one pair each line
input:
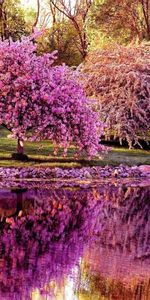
[40,101]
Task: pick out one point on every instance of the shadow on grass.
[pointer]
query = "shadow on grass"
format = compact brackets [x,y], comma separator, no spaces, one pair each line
[50,160]
[114,158]
[41,155]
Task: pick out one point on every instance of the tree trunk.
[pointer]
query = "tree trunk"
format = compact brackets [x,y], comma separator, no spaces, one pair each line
[37,16]
[19,155]
[20,147]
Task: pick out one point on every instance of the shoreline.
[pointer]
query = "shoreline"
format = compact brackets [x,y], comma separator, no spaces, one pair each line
[95,172]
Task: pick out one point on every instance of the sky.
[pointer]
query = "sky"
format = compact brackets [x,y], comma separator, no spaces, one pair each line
[29,3]
[43,9]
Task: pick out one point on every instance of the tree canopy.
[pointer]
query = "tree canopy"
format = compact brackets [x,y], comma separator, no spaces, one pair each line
[40,101]
[12,20]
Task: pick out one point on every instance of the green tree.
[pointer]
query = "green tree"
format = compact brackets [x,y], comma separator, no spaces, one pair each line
[76,12]
[12,20]
[124,21]
[62,37]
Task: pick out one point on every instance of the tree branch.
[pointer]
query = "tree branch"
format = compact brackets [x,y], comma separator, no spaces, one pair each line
[37,16]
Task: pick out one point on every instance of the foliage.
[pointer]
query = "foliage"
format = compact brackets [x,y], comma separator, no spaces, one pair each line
[12,20]
[46,100]
[77,14]
[120,78]
[75,28]
[123,21]
[30,16]
[63,38]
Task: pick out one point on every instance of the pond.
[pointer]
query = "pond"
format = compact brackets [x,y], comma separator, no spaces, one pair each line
[75,241]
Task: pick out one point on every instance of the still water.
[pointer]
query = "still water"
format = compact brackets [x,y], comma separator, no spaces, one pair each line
[85,242]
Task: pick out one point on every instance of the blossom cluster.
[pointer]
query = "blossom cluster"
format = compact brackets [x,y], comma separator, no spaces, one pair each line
[39,100]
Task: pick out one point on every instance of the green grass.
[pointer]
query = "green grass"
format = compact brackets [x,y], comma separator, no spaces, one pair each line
[41,154]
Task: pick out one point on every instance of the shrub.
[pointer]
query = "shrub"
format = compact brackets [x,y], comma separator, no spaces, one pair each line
[120,80]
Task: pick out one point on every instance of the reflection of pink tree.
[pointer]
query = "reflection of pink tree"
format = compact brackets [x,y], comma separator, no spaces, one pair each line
[43,244]
[25,269]
[120,219]
[46,242]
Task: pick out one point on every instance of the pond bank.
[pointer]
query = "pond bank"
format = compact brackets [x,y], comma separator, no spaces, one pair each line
[95,172]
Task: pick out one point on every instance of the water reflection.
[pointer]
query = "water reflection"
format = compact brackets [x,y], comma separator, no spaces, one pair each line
[75,243]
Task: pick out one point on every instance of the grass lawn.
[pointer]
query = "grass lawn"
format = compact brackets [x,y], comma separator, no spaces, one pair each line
[41,154]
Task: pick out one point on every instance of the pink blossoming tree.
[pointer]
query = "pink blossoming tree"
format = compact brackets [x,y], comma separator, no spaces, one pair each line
[119,78]
[40,101]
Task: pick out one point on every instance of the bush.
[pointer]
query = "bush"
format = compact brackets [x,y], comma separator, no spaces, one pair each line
[120,80]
